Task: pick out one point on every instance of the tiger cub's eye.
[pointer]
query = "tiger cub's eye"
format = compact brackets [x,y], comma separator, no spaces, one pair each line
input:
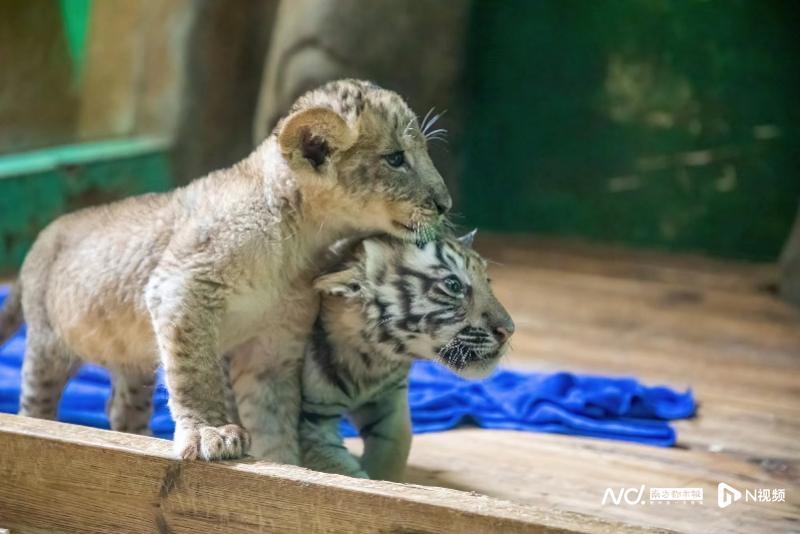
[453,285]
[395,159]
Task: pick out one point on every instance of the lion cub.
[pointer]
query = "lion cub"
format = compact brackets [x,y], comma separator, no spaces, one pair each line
[393,302]
[180,278]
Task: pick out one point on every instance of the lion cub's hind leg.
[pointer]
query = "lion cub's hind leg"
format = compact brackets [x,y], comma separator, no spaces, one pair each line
[131,403]
[47,366]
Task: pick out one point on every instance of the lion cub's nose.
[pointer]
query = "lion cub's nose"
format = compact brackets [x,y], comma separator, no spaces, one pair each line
[442,203]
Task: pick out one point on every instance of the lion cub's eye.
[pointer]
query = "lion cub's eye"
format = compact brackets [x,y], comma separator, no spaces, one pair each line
[453,285]
[395,159]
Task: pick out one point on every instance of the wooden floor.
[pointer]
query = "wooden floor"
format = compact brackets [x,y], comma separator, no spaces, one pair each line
[714,326]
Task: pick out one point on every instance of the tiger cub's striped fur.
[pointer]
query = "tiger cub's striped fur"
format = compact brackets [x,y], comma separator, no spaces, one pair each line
[390,303]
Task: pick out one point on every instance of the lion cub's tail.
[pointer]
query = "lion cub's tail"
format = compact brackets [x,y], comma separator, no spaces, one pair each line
[11,314]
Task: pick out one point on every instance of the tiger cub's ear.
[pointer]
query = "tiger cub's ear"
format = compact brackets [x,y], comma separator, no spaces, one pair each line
[340,283]
[376,255]
[468,239]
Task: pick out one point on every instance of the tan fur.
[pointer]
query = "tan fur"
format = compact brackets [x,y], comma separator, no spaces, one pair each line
[181,277]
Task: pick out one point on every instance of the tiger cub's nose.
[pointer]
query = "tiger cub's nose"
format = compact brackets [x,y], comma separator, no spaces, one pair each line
[502,333]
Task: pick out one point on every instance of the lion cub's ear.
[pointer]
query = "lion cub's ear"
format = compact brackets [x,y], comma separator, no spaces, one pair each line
[312,135]
[340,283]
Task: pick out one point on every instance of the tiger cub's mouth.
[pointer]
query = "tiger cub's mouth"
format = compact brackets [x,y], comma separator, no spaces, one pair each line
[461,355]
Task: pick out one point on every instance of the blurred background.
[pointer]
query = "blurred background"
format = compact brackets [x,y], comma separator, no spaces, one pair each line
[652,123]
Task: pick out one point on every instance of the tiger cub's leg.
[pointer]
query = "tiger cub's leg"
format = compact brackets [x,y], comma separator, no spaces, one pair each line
[265,378]
[385,426]
[45,370]
[321,443]
[131,404]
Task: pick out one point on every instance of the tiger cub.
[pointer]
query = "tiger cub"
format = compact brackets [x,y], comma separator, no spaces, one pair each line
[390,303]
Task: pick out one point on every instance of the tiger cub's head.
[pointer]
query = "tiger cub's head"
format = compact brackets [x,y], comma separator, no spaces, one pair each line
[432,301]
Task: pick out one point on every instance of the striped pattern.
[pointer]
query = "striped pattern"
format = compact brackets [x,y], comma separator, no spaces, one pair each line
[388,304]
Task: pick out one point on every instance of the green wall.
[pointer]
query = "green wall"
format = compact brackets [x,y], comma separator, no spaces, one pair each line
[38,186]
[655,123]
[659,123]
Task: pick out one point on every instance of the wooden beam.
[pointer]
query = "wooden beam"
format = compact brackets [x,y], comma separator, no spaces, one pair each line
[57,477]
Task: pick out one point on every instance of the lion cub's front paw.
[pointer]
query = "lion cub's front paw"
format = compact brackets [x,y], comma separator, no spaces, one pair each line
[212,443]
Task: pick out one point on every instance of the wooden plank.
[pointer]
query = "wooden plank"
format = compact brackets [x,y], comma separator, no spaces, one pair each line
[58,477]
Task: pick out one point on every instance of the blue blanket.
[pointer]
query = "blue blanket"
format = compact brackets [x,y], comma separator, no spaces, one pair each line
[564,403]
